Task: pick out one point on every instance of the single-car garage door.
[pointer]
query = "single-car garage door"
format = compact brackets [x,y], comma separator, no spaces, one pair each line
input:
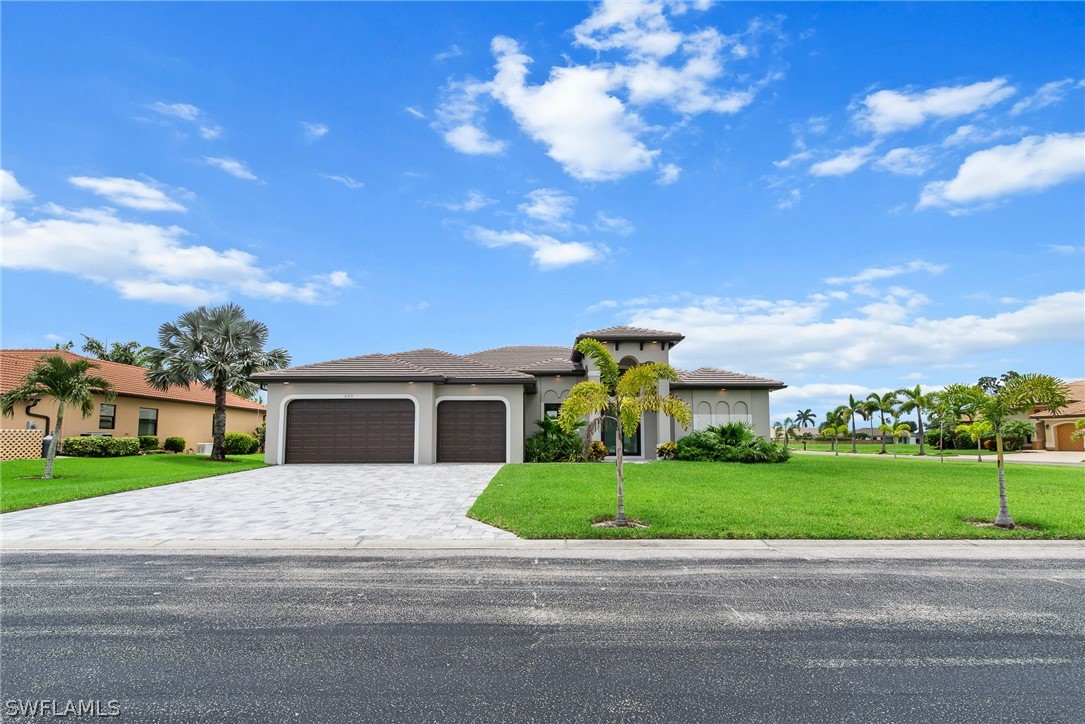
[471,431]
[1064,440]
[350,431]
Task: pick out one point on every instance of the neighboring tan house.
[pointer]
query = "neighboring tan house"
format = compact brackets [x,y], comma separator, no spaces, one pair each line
[1053,431]
[138,408]
[427,406]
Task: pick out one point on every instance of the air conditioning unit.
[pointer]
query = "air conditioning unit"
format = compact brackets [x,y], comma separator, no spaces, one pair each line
[204,448]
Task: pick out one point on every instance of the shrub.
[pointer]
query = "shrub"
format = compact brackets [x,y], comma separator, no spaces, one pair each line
[261,435]
[667,451]
[240,443]
[174,444]
[552,444]
[596,451]
[709,446]
[100,447]
[148,442]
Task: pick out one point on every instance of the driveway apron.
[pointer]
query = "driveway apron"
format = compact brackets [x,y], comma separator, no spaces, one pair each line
[284,502]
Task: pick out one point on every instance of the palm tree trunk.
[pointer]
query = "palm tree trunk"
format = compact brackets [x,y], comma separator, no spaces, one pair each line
[922,437]
[979,448]
[51,453]
[882,414]
[854,450]
[218,429]
[1004,520]
[619,444]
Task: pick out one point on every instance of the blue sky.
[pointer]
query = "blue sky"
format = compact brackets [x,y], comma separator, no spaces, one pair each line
[846,197]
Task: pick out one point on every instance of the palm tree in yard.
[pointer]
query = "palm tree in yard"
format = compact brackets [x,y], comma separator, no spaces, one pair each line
[219,348]
[1009,395]
[68,383]
[805,418]
[881,404]
[852,407]
[620,398]
[834,421]
[915,399]
[960,401]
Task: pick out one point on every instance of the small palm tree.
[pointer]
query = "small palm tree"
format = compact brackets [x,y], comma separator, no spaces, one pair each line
[882,404]
[68,383]
[621,398]
[805,418]
[853,407]
[977,430]
[915,399]
[219,348]
[789,427]
[1010,395]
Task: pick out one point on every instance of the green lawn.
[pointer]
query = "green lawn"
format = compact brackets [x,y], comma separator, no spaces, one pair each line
[868,448]
[806,497]
[21,485]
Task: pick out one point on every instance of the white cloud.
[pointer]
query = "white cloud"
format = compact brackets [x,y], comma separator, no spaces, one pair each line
[127,192]
[314,131]
[600,306]
[347,181]
[668,174]
[475,200]
[547,252]
[232,167]
[874,273]
[211,133]
[184,111]
[549,206]
[583,114]
[1064,248]
[905,162]
[799,156]
[777,337]
[454,51]
[145,261]
[11,192]
[614,224]
[1032,164]
[843,163]
[419,307]
[415,112]
[1046,95]
[886,111]
[787,202]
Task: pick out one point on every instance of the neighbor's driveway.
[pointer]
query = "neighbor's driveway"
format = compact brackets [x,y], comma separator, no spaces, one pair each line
[295,502]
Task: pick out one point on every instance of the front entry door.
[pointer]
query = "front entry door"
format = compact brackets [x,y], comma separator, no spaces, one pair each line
[632,442]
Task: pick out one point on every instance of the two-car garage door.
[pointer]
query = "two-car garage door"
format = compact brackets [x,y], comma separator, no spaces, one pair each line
[383,431]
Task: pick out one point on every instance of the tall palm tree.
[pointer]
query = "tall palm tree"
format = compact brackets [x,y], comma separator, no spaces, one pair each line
[789,427]
[963,400]
[621,398]
[68,383]
[915,399]
[1011,395]
[805,418]
[219,348]
[882,404]
[852,407]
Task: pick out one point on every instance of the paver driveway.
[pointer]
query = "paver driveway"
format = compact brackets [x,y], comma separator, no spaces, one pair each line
[285,502]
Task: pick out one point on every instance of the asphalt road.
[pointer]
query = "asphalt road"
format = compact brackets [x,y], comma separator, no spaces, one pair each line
[356,637]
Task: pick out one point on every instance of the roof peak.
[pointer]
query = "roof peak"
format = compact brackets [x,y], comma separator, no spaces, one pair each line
[623,332]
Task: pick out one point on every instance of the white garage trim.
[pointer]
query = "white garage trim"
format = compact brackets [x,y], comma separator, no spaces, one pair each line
[478,398]
[280,458]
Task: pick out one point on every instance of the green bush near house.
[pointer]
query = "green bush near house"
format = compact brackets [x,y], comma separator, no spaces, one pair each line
[100,447]
[148,442]
[241,443]
[731,443]
[667,450]
[174,444]
[553,445]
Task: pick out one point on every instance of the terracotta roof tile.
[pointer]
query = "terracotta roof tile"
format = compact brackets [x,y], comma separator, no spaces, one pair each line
[128,380]
[1076,408]
[712,377]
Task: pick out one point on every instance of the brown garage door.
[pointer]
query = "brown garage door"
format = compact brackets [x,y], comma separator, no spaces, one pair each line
[350,431]
[471,431]
[1063,435]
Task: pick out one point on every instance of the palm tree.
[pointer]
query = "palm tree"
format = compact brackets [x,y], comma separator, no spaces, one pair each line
[882,404]
[963,400]
[915,400]
[621,398]
[805,418]
[219,348]
[789,427]
[852,407]
[128,353]
[977,430]
[68,383]
[834,421]
[1011,395]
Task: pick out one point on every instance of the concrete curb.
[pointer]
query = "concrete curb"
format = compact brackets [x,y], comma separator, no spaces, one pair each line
[615,550]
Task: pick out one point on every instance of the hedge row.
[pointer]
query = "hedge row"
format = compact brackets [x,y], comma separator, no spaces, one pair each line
[100,447]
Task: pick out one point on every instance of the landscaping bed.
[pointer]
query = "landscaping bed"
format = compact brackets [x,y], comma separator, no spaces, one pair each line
[21,485]
[807,497]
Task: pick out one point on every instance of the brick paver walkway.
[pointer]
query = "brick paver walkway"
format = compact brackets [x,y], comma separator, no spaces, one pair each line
[285,502]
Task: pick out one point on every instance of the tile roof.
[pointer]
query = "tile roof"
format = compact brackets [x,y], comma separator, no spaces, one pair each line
[622,333]
[419,365]
[1076,408]
[712,377]
[128,380]
[538,359]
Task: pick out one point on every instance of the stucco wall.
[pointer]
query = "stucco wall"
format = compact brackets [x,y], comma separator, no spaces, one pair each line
[185,419]
[726,405]
[425,394]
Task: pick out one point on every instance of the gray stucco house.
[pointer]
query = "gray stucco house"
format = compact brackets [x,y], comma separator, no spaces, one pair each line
[427,406]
